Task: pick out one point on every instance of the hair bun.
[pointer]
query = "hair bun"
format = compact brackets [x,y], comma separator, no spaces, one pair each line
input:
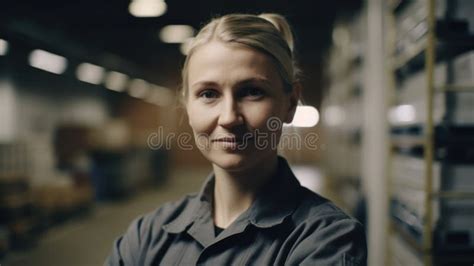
[282,26]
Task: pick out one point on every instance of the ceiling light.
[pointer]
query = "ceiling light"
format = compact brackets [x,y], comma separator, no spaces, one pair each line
[90,73]
[48,61]
[3,47]
[139,88]
[160,96]
[405,113]
[333,115]
[116,81]
[176,33]
[147,8]
[305,116]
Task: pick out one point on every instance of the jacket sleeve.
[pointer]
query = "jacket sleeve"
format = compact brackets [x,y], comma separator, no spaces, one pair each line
[339,242]
[126,249]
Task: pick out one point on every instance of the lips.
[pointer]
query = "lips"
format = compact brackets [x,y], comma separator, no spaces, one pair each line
[230,139]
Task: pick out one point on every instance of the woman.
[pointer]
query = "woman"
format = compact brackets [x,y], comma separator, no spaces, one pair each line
[239,84]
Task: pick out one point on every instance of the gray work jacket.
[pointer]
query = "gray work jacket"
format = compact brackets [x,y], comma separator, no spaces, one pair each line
[286,225]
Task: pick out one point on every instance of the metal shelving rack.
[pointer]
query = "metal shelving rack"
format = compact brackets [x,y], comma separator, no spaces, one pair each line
[425,249]
[341,114]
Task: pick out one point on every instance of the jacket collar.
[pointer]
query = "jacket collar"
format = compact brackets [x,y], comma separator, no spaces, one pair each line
[276,201]
[197,208]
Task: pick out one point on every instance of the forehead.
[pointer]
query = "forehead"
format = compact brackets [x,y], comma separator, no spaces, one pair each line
[221,62]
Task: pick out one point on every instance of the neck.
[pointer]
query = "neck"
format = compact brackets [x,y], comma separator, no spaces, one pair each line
[234,192]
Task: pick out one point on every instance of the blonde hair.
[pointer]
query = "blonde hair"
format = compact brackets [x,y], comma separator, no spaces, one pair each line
[268,33]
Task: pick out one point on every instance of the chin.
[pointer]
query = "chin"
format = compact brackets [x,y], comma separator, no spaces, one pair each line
[234,162]
[230,162]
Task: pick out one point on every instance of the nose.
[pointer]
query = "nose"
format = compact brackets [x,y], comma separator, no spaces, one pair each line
[230,115]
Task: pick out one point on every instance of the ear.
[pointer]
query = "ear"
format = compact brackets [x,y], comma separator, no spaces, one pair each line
[294,98]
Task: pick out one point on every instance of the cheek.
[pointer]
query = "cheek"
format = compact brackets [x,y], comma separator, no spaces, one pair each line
[260,116]
[200,119]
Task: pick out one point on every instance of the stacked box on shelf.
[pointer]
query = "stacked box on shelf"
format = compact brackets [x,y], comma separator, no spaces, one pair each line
[407,204]
[412,24]
[62,184]
[347,167]
[344,140]
[452,29]
[334,136]
[350,196]
[453,119]
[463,69]
[455,108]
[342,112]
[16,206]
[402,255]
[59,201]
[353,122]
[465,11]
[449,215]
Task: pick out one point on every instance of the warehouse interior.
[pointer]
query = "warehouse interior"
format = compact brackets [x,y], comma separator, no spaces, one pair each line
[90,123]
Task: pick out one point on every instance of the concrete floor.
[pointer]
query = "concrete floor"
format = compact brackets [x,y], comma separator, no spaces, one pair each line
[87,241]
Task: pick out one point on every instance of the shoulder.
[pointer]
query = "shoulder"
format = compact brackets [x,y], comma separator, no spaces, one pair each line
[314,207]
[129,248]
[324,234]
[168,212]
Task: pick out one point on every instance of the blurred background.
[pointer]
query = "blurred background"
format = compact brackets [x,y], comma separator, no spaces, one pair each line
[89,121]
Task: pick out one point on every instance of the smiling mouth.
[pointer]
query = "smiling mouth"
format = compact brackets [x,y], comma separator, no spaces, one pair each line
[231,140]
[227,140]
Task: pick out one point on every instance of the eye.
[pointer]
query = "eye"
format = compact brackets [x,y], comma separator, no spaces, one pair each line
[208,94]
[253,92]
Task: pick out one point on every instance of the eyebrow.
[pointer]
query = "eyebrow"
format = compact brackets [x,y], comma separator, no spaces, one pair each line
[204,83]
[240,83]
[253,80]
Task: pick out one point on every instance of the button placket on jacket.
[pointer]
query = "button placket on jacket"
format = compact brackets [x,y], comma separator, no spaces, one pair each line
[235,229]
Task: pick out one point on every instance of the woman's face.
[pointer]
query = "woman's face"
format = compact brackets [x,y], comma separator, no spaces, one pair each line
[236,105]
